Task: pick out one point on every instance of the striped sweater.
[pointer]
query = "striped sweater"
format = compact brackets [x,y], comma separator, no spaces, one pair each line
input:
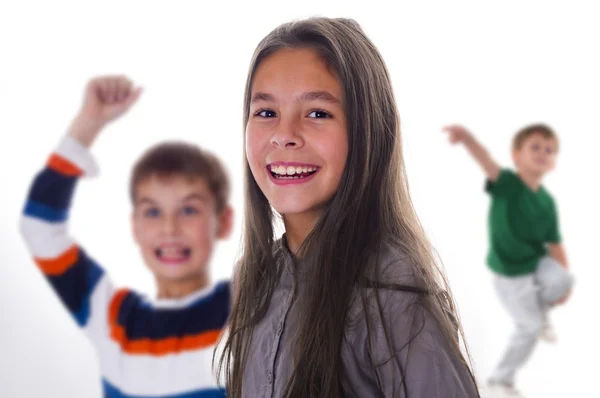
[146,348]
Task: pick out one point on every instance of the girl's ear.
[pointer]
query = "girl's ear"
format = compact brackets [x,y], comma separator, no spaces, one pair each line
[225,223]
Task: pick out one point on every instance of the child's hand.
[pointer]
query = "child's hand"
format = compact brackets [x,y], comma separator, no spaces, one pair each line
[457,134]
[105,99]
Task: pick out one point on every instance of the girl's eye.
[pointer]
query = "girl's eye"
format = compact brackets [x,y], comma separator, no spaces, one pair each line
[317,114]
[549,150]
[535,147]
[189,211]
[152,212]
[265,113]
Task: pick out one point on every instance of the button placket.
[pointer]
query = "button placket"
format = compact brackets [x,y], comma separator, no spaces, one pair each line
[275,331]
[278,333]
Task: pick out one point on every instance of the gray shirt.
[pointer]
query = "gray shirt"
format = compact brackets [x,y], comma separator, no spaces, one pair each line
[432,371]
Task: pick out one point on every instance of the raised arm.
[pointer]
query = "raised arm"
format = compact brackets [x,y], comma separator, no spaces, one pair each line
[77,279]
[459,135]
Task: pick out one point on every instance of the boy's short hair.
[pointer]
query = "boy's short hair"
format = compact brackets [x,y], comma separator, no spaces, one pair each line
[181,159]
[527,131]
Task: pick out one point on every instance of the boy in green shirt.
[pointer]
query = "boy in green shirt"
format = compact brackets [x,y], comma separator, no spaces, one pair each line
[526,254]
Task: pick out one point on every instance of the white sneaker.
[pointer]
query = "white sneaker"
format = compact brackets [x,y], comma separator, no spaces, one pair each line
[498,390]
[548,334]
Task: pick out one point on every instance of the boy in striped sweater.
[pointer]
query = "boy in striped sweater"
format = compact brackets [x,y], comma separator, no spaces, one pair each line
[147,348]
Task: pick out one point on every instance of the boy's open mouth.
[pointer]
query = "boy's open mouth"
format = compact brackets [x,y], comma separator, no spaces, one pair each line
[173,254]
[291,172]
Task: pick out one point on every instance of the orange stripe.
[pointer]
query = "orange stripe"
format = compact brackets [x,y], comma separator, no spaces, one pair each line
[58,266]
[115,306]
[63,166]
[169,345]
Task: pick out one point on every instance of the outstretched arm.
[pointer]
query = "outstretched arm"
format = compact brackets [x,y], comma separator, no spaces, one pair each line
[458,134]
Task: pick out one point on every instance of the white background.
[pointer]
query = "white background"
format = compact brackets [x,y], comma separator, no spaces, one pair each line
[494,67]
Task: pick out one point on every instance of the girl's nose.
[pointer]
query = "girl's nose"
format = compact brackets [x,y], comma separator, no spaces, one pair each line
[287,135]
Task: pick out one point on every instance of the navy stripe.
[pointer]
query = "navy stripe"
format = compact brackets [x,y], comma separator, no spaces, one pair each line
[111,391]
[76,285]
[52,189]
[46,213]
[142,322]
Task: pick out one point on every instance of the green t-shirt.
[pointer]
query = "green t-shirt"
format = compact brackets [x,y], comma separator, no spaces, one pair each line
[521,223]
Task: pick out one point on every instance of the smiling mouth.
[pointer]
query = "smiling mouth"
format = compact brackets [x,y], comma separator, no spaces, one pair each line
[282,172]
[173,255]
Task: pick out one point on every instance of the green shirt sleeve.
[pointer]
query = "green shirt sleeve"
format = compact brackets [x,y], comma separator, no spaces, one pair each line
[505,182]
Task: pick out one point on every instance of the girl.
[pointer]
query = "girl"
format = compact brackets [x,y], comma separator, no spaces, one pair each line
[347,302]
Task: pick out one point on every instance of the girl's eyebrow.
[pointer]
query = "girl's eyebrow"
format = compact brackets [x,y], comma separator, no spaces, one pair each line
[319,96]
[304,97]
[258,97]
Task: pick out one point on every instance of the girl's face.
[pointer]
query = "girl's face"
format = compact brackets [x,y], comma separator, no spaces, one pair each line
[296,136]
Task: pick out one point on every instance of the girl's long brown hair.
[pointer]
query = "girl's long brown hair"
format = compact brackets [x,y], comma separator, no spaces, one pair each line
[371,206]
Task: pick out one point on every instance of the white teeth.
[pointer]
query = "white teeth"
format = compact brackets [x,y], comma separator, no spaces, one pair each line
[275,169]
[170,251]
[291,170]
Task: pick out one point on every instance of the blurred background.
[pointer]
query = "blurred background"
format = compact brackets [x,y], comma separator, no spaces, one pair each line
[489,65]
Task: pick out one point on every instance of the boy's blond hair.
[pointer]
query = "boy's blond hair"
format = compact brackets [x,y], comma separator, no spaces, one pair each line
[527,131]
